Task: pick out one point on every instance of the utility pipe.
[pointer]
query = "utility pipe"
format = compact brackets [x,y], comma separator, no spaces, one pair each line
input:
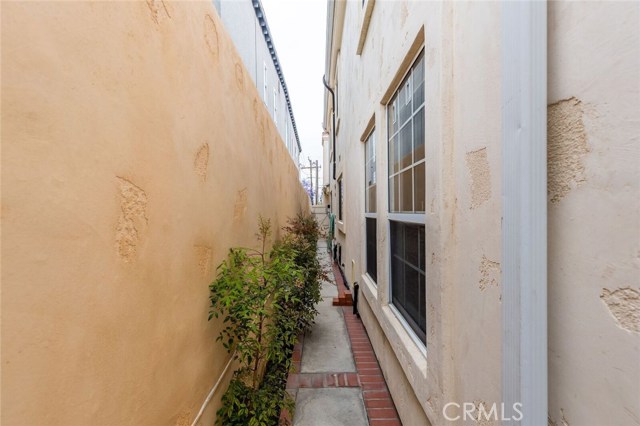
[333,123]
[213,391]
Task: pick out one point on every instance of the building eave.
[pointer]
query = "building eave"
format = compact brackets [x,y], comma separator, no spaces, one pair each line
[262,20]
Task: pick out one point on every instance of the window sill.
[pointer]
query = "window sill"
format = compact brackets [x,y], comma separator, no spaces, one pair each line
[371,285]
[407,328]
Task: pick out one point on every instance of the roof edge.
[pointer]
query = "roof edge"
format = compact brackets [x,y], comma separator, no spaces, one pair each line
[266,33]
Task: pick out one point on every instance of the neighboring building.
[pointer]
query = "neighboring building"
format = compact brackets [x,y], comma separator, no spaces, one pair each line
[246,23]
[135,153]
[431,99]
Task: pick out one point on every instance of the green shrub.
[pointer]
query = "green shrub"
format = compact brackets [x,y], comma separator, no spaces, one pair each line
[302,239]
[266,300]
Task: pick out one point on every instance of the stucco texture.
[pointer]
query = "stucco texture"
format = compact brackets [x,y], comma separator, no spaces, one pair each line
[593,222]
[462,192]
[135,152]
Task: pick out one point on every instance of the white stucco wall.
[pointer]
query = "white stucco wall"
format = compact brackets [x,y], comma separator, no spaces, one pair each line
[594,219]
[594,175]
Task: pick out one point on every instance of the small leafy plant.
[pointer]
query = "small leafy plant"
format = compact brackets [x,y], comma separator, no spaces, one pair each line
[266,299]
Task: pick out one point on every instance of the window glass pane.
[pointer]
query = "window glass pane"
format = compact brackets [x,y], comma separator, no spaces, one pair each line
[418,83]
[372,148]
[406,143]
[412,244]
[372,267]
[373,172]
[394,194]
[418,135]
[408,283]
[371,198]
[405,146]
[422,316]
[397,277]
[423,254]
[392,117]
[406,191]
[404,99]
[412,292]
[367,173]
[419,184]
[394,162]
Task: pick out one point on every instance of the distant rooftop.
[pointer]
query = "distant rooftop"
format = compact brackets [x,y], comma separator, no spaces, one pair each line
[257,7]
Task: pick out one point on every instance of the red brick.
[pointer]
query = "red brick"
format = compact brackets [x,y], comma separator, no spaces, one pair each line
[369,372]
[374,386]
[379,403]
[376,394]
[363,355]
[317,380]
[292,381]
[384,422]
[382,413]
[305,381]
[372,379]
[352,379]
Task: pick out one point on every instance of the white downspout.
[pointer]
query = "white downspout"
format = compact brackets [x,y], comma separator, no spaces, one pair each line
[524,205]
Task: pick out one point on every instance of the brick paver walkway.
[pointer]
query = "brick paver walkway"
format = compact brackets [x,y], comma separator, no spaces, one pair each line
[367,381]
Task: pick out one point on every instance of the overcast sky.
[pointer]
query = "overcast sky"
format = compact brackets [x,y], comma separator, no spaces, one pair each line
[298,31]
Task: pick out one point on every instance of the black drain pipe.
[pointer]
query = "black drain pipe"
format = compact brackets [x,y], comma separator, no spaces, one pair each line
[333,118]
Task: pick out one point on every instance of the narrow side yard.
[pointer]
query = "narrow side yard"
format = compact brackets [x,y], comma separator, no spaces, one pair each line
[336,378]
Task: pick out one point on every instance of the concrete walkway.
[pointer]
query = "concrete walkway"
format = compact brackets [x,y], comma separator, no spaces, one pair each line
[330,386]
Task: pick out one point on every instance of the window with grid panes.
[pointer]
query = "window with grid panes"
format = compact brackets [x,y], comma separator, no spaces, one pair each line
[370,206]
[406,159]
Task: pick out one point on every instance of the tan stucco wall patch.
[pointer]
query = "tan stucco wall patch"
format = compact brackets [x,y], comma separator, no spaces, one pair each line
[203,254]
[489,273]
[480,174]
[159,10]
[211,35]
[132,219]
[624,306]
[567,146]
[201,162]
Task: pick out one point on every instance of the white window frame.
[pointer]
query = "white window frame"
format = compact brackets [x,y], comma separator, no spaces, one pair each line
[371,138]
[418,218]
[408,84]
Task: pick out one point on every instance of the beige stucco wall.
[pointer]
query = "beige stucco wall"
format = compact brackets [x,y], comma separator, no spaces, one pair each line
[135,152]
[594,168]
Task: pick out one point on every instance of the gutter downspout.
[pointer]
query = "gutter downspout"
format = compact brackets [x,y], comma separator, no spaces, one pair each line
[524,212]
[333,124]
